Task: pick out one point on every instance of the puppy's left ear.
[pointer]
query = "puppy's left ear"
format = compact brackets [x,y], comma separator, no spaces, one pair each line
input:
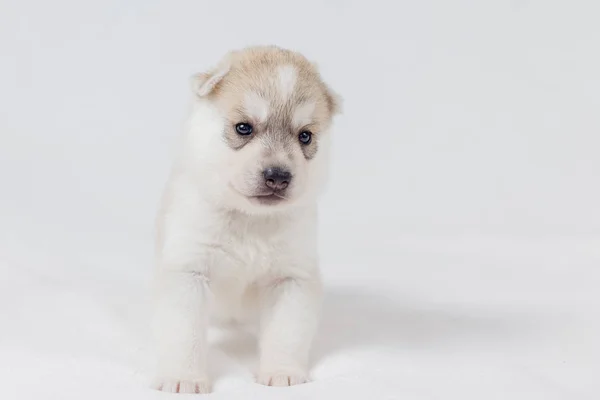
[334,100]
[204,83]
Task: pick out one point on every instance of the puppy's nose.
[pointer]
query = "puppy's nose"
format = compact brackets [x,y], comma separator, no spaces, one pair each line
[277,178]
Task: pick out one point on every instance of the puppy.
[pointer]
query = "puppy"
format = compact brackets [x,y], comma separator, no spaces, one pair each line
[237,228]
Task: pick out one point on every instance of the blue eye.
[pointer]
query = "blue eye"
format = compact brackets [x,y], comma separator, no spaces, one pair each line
[243,129]
[305,137]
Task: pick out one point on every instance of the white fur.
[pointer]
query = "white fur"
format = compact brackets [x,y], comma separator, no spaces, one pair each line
[223,258]
[304,113]
[287,75]
[256,106]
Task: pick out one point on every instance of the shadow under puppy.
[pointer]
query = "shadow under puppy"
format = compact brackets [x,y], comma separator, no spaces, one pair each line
[237,227]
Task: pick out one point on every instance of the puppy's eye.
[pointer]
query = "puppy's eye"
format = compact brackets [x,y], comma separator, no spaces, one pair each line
[243,129]
[305,137]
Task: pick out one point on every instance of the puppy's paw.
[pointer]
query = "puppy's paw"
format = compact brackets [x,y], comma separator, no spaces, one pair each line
[201,386]
[281,378]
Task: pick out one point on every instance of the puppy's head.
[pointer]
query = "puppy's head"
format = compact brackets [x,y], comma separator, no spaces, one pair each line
[258,134]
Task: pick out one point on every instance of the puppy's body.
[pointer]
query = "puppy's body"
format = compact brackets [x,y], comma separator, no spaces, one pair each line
[237,228]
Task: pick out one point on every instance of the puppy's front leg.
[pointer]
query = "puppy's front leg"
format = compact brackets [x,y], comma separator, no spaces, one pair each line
[290,313]
[180,328]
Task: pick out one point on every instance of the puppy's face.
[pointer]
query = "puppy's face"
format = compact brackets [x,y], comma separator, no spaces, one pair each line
[270,114]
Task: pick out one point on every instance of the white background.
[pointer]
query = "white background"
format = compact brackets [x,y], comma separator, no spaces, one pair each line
[460,234]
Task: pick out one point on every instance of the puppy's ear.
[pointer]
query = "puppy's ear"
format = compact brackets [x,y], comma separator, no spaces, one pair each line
[204,82]
[334,100]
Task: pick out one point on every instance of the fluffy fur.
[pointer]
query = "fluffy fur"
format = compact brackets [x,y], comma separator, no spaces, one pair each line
[228,251]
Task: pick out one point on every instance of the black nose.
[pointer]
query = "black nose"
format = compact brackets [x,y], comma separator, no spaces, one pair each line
[277,178]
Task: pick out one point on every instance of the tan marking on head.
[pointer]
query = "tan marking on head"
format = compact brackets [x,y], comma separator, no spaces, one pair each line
[286,81]
[256,106]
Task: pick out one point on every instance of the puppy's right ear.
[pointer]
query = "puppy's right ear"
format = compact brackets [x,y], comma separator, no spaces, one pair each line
[204,82]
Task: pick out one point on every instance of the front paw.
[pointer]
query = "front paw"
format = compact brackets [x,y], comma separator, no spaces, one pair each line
[169,385]
[281,378]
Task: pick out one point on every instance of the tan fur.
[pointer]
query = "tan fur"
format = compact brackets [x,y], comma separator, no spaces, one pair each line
[255,71]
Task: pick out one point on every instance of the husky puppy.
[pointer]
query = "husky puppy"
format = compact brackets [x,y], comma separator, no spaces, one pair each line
[237,228]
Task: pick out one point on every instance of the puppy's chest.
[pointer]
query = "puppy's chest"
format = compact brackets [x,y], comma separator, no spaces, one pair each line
[248,252]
